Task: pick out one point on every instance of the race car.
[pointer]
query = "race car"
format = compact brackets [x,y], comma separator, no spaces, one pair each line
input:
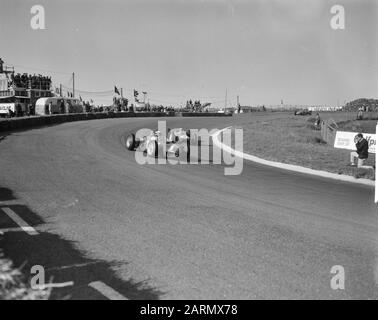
[302,112]
[177,142]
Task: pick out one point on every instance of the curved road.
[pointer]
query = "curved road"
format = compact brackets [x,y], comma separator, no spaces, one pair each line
[187,231]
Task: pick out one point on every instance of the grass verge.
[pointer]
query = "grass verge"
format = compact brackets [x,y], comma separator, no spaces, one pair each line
[290,139]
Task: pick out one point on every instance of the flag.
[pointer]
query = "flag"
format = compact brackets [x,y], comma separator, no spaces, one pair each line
[136,93]
[116,90]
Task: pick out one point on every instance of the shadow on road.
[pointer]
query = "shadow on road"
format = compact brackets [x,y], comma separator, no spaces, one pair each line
[62,260]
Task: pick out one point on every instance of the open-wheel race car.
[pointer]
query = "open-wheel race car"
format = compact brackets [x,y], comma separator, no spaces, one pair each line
[302,112]
[177,142]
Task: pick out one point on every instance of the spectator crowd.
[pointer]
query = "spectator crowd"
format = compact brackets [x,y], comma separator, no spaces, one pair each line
[31,81]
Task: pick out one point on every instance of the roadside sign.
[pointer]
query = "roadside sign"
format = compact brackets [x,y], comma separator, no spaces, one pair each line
[345,140]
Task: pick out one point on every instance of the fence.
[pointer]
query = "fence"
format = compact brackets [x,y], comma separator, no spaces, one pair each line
[328,130]
[352,116]
[37,121]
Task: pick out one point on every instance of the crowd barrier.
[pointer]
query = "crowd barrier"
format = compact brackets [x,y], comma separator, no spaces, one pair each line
[38,121]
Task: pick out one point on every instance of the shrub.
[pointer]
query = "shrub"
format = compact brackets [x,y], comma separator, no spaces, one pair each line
[13,287]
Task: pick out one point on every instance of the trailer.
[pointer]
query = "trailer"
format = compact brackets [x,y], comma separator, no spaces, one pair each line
[58,105]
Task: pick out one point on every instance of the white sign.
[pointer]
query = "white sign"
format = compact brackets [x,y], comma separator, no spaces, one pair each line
[345,140]
[5,106]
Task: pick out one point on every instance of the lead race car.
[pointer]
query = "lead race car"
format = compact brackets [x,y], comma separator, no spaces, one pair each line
[177,142]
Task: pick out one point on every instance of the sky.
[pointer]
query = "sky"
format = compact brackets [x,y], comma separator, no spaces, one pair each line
[264,51]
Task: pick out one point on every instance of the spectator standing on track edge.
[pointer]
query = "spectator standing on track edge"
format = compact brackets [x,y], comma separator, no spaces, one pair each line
[317,121]
[10,113]
[360,114]
[49,108]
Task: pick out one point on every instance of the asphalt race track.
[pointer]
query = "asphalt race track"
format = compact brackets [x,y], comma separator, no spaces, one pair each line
[179,231]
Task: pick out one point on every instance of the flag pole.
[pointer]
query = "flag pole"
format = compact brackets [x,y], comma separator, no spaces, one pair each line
[73,84]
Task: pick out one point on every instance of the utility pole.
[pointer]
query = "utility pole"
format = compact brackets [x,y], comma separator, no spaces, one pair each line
[225,101]
[73,84]
[144,96]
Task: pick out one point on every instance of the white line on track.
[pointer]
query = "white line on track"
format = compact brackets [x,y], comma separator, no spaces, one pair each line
[24,226]
[106,291]
[77,265]
[53,285]
[17,229]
